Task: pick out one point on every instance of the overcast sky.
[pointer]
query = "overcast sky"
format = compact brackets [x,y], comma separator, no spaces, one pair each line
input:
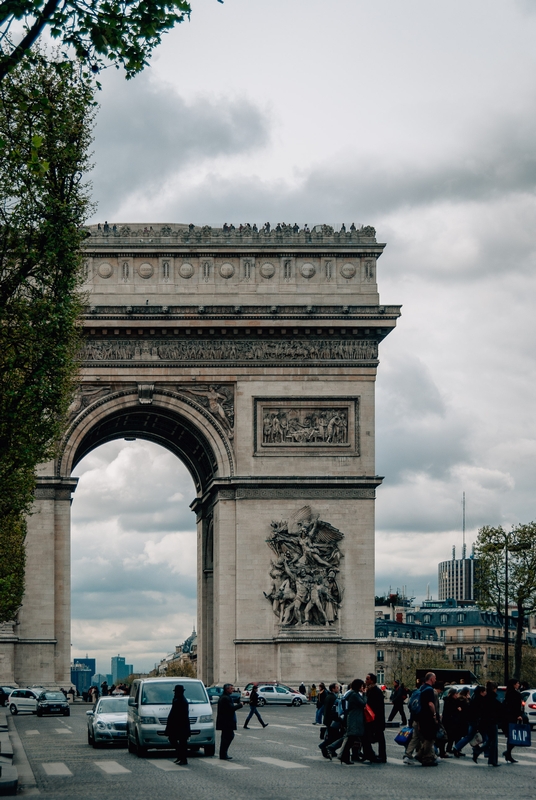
[416,117]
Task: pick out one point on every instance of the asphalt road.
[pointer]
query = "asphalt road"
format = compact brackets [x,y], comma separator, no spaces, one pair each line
[280,762]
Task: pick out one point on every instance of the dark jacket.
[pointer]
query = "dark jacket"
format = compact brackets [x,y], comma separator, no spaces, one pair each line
[321,698]
[512,708]
[492,710]
[376,702]
[355,717]
[226,717]
[475,709]
[178,722]
[254,698]
[399,695]
[330,709]
[452,713]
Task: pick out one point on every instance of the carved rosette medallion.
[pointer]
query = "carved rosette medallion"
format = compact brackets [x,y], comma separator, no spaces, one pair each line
[267,270]
[186,270]
[304,572]
[145,270]
[105,270]
[227,270]
[307,270]
[348,270]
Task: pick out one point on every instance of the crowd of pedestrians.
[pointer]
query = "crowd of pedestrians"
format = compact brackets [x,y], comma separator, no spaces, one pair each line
[353,721]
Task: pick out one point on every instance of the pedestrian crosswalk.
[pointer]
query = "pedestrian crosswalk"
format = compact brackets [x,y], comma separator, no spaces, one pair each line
[59,769]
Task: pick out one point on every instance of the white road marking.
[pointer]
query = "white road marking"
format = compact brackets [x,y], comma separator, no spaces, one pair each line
[297,747]
[272,741]
[287,727]
[56,768]
[254,737]
[111,767]
[215,762]
[62,730]
[166,766]
[276,762]
[32,733]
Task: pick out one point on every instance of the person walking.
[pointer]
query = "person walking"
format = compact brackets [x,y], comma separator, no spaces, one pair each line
[320,700]
[512,712]
[427,722]
[178,725]
[226,720]
[398,695]
[375,729]
[254,708]
[489,725]
[355,719]
[331,719]
[451,718]
[473,715]
[301,689]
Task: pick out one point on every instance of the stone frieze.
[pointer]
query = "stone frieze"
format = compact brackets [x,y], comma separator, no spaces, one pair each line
[345,350]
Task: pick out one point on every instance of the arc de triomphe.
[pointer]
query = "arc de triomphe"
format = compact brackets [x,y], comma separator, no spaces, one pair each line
[252,356]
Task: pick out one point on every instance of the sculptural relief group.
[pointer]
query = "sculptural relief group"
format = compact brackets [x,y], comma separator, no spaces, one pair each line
[304,573]
[305,426]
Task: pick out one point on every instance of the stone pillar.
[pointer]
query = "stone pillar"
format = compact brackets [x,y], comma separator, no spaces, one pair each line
[225,587]
[43,647]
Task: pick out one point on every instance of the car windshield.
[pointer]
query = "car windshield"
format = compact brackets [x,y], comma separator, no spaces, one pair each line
[114,706]
[155,693]
[53,696]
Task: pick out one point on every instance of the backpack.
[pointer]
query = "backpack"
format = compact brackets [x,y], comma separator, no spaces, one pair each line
[414,704]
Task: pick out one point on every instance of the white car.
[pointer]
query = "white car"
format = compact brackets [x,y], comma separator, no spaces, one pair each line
[279,694]
[107,722]
[529,699]
[24,700]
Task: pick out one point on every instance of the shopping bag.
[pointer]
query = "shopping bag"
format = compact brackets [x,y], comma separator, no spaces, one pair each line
[519,735]
[404,735]
[370,716]
[476,740]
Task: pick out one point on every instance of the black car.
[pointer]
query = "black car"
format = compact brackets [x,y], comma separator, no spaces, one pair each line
[52,703]
[5,691]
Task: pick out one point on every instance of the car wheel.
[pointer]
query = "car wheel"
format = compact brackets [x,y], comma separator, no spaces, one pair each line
[296,701]
[39,713]
[13,708]
[67,713]
[131,746]
[209,749]
[262,701]
[89,737]
[141,752]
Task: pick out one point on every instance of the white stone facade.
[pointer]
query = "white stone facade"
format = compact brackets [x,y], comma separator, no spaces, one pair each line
[253,357]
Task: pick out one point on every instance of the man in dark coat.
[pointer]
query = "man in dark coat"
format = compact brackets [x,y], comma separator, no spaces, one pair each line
[398,695]
[226,720]
[331,719]
[178,725]
[376,702]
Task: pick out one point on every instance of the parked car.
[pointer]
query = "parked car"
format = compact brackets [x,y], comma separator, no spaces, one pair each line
[24,700]
[279,695]
[529,699]
[52,703]
[5,691]
[107,721]
[247,690]
[149,705]
[215,692]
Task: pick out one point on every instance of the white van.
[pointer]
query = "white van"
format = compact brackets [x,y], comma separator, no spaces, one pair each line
[149,705]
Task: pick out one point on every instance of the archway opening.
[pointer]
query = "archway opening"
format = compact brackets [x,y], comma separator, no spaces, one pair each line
[134,545]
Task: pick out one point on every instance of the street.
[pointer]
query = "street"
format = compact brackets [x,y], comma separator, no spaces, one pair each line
[282,761]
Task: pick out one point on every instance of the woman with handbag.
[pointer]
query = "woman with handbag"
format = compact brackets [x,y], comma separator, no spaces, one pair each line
[512,712]
[355,724]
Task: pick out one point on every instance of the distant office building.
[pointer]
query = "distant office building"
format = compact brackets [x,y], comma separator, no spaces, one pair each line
[81,677]
[90,663]
[120,669]
[456,578]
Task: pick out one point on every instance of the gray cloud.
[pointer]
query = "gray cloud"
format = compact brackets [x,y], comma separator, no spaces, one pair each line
[146,131]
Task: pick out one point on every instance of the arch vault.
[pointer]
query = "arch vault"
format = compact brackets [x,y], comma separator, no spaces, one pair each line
[252,356]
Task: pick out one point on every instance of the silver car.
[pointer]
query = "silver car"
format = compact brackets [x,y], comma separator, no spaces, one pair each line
[279,694]
[24,700]
[107,722]
[529,700]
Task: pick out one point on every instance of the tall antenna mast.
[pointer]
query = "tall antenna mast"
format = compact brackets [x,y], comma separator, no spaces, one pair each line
[463,525]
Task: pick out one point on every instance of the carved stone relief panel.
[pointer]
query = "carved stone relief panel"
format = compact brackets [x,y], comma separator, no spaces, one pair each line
[296,351]
[217,399]
[294,426]
[84,396]
[305,587]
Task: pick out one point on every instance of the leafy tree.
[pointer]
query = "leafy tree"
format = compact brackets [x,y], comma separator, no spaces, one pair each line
[490,549]
[119,31]
[46,117]
[181,669]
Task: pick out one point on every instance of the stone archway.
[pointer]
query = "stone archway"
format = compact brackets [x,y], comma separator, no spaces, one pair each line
[252,356]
